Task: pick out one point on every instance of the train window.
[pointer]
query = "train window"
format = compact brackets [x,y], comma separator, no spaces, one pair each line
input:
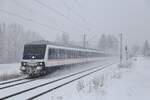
[73,54]
[57,54]
[49,53]
[62,54]
[66,54]
[36,51]
[52,53]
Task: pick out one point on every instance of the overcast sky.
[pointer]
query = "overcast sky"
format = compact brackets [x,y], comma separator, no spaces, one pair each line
[75,17]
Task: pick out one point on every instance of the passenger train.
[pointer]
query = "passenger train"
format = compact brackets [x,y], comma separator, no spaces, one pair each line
[40,56]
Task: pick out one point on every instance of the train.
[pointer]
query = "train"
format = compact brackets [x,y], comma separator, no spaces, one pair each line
[40,56]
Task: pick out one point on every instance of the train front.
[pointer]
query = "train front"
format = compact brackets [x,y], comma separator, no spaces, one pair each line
[33,62]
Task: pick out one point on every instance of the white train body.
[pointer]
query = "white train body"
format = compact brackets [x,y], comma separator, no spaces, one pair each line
[39,56]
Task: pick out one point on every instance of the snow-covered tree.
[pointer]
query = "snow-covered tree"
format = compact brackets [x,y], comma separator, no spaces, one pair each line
[108,43]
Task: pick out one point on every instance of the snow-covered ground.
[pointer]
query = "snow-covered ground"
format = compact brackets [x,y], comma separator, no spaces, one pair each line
[128,82]
[58,74]
[9,69]
[114,83]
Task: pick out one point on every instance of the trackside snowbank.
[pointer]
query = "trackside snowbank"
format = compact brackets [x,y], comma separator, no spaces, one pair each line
[114,83]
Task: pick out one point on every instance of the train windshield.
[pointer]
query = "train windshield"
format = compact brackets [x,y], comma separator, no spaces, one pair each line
[34,51]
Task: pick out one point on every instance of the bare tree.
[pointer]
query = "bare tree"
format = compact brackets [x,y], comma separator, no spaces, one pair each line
[12,39]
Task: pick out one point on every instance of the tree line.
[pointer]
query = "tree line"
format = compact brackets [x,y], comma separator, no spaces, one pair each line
[110,43]
[106,43]
[13,36]
[141,50]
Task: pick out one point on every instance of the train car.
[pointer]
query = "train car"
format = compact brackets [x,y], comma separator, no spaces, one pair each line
[39,56]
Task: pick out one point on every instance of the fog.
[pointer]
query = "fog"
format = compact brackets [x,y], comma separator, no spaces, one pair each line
[75,17]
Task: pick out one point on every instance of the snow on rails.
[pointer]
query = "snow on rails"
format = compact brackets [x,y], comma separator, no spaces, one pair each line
[38,88]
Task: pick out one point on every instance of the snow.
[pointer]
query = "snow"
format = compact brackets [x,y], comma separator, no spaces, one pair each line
[115,83]
[9,68]
[58,74]
[134,85]
[131,82]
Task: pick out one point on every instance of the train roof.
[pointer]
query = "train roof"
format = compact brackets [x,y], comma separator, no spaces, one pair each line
[44,42]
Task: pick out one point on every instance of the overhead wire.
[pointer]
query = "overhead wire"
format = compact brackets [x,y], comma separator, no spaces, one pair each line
[82,18]
[30,10]
[21,5]
[58,13]
[36,22]
[75,13]
[61,14]
[79,4]
[30,20]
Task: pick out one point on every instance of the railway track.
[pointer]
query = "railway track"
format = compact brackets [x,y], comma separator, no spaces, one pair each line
[75,76]
[15,84]
[38,95]
[15,80]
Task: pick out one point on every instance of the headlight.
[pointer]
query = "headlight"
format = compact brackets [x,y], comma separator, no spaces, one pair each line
[38,68]
[23,63]
[41,63]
